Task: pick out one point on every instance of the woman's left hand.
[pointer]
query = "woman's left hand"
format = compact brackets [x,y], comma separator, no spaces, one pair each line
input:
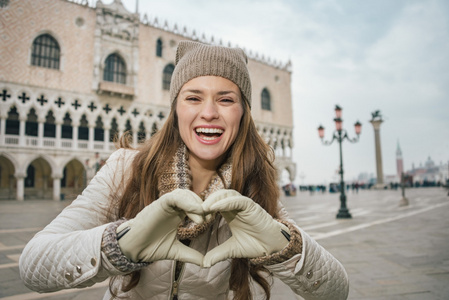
[254,232]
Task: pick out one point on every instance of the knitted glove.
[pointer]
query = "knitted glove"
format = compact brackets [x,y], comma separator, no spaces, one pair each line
[151,235]
[254,232]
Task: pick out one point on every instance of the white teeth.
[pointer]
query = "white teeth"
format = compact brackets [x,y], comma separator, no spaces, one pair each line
[209,130]
[208,138]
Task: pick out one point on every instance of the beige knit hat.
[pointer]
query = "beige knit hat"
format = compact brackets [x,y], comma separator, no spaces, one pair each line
[195,59]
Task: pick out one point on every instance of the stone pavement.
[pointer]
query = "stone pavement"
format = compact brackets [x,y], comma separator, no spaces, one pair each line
[389,252]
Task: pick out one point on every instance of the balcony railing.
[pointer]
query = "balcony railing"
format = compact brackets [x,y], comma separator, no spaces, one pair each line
[51,143]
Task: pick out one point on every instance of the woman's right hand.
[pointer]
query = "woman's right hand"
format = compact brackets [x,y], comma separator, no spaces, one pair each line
[151,235]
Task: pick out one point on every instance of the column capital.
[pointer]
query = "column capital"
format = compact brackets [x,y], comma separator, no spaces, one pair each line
[19,175]
[376,124]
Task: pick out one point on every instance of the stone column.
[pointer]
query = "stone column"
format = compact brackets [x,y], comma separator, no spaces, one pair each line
[40,133]
[75,127]
[107,132]
[58,134]
[134,138]
[20,184]
[380,174]
[2,130]
[57,187]
[91,137]
[22,137]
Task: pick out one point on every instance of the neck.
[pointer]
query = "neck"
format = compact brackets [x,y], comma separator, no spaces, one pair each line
[202,172]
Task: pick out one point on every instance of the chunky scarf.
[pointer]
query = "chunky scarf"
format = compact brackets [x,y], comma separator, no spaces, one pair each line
[177,175]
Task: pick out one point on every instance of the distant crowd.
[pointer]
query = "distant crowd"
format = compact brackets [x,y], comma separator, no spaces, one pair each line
[290,189]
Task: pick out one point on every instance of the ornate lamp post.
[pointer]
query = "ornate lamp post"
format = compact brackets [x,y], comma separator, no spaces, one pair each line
[340,135]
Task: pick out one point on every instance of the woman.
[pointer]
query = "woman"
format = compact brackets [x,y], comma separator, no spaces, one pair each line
[194,213]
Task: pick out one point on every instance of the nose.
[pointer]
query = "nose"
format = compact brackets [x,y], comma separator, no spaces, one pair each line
[209,110]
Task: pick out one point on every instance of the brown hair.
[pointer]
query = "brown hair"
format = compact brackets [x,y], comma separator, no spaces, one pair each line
[253,175]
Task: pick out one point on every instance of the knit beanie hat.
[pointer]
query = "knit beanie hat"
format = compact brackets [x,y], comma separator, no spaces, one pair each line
[195,59]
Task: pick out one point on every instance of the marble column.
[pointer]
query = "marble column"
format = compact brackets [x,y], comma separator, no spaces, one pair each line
[379,169]
[57,188]
[20,187]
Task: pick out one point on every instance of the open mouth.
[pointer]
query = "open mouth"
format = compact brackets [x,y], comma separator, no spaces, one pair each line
[209,134]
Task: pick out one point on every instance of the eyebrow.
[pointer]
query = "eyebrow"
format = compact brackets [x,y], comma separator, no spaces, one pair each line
[201,92]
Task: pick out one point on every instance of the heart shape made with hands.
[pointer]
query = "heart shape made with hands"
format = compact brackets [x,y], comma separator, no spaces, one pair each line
[254,232]
[151,235]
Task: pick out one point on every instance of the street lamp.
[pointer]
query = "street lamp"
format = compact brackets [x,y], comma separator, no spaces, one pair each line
[340,135]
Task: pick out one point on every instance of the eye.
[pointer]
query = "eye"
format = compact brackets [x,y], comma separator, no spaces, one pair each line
[227,100]
[192,98]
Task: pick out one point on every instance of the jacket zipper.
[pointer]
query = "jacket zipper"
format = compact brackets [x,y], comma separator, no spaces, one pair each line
[177,279]
[175,284]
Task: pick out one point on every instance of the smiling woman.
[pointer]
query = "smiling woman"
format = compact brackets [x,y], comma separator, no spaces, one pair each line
[209,113]
[193,213]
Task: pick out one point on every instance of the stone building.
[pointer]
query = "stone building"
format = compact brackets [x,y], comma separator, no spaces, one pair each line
[73,74]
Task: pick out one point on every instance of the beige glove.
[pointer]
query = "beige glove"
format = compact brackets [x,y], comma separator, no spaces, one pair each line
[254,232]
[151,235]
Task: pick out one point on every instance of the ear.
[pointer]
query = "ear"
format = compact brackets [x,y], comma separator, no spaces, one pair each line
[243,55]
[184,47]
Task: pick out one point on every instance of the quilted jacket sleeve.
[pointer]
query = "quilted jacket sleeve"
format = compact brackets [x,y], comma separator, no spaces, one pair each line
[67,252]
[313,274]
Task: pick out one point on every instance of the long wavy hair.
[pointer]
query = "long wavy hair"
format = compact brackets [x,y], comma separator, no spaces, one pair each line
[253,175]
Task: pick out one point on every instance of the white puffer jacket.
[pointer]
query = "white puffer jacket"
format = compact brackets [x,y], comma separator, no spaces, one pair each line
[67,254]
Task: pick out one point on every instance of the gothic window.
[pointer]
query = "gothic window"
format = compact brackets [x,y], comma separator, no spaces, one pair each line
[99,131]
[153,129]
[266,99]
[141,135]
[128,126]
[49,126]
[66,127]
[83,129]
[45,52]
[115,69]
[114,130]
[166,77]
[12,122]
[31,123]
[159,48]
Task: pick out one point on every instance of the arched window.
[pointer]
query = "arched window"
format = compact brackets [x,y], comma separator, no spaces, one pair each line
[141,134]
[128,126]
[159,48]
[66,128]
[12,122]
[31,123]
[166,77]
[115,69]
[266,99]
[83,129]
[154,129]
[49,126]
[99,131]
[45,52]
[114,130]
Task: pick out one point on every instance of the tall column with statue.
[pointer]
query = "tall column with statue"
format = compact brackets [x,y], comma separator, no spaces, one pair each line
[376,120]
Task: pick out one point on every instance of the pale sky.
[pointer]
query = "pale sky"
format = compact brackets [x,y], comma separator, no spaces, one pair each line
[364,55]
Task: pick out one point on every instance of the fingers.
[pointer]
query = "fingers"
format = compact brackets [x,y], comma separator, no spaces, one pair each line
[218,196]
[220,253]
[186,201]
[183,253]
[234,203]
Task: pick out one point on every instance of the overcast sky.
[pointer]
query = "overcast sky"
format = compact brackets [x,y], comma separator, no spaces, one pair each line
[387,55]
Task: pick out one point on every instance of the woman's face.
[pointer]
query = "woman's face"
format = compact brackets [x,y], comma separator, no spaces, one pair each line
[209,110]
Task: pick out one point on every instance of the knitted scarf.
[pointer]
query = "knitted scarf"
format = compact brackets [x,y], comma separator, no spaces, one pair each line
[178,175]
